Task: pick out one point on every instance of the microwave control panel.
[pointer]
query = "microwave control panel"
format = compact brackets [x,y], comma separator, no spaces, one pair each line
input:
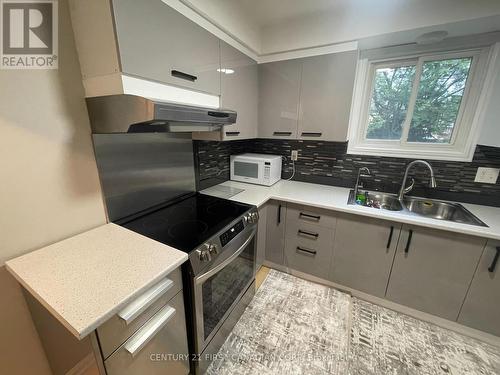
[267,171]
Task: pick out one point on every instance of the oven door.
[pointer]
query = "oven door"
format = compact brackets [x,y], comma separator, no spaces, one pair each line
[218,290]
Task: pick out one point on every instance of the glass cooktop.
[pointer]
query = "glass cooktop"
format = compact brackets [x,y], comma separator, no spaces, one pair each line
[188,223]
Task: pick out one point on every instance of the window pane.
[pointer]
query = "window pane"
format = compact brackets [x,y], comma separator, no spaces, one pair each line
[391,92]
[440,92]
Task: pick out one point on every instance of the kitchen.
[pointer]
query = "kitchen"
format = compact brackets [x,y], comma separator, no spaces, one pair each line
[216,187]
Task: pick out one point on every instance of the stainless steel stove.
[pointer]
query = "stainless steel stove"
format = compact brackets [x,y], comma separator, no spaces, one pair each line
[148,183]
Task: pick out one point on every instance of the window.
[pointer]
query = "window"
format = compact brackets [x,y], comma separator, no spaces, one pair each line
[418,106]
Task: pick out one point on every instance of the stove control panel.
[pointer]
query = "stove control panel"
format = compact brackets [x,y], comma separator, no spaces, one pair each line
[232,232]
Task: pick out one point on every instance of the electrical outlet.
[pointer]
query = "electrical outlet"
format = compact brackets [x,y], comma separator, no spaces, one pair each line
[295,155]
[487,175]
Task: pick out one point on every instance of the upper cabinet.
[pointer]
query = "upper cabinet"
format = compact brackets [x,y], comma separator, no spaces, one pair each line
[239,92]
[326,89]
[157,42]
[307,98]
[279,90]
[144,39]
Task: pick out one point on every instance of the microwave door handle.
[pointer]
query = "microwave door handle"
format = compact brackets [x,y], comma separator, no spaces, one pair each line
[200,279]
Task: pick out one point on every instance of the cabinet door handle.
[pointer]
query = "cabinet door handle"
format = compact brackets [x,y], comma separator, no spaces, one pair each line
[279,214]
[218,114]
[311,134]
[149,330]
[182,75]
[232,134]
[310,217]
[408,242]
[305,233]
[390,237]
[493,265]
[282,133]
[307,251]
[140,304]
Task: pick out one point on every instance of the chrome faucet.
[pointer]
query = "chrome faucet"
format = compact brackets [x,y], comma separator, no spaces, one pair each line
[357,180]
[404,190]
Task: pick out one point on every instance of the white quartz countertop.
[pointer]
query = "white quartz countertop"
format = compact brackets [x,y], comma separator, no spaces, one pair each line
[86,279]
[335,198]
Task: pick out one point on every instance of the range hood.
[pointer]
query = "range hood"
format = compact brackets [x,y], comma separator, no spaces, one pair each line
[125,113]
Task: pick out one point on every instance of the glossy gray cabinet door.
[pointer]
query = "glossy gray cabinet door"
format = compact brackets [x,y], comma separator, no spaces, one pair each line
[239,92]
[279,84]
[325,96]
[275,232]
[481,309]
[154,39]
[308,248]
[261,237]
[433,269]
[363,253]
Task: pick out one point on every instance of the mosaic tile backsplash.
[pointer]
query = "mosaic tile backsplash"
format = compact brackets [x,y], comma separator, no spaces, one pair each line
[328,163]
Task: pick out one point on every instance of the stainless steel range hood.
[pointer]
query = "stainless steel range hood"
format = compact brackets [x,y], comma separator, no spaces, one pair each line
[134,114]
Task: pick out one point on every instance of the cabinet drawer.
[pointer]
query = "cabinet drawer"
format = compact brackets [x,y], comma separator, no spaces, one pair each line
[310,215]
[309,248]
[122,325]
[162,335]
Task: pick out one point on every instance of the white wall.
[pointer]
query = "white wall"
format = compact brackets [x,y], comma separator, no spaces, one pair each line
[49,186]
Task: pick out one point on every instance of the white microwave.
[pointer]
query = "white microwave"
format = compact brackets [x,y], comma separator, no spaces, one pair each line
[256,168]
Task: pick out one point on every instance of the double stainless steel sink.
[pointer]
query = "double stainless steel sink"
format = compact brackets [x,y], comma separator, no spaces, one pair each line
[423,207]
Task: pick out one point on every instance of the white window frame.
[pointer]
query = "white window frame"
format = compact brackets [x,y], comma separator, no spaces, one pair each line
[467,126]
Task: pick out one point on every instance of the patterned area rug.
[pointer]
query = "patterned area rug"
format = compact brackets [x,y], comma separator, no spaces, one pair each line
[386,342]
[291,327]
[296,327]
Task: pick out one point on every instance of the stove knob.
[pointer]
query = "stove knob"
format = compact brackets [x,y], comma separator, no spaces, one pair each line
[251,217]
[205,255]
[212,249]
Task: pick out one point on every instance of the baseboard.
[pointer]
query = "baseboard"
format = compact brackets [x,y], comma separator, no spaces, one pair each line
[441,322]
[85,366]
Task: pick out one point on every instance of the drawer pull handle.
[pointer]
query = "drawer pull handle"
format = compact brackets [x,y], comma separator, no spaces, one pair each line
[408,242]
[310,217]
[390,237]
[311,134]
[305,233]
[493,265]
[149,330]
[182,75]
[307,251]
[136,307]
[282,133]
[232,134]
[279,214]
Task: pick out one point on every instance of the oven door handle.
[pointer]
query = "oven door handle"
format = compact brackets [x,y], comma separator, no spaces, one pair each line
[200,279]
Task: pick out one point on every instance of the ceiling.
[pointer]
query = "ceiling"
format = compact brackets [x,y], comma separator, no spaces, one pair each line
[269,12]
[276,29]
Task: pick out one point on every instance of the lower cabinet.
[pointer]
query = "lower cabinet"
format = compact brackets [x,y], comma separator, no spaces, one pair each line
[148,336]
[147,351]
[481,309]
[433,269]
[261,237]
[363,253]
[275,231]
[309,239]
[308,248]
